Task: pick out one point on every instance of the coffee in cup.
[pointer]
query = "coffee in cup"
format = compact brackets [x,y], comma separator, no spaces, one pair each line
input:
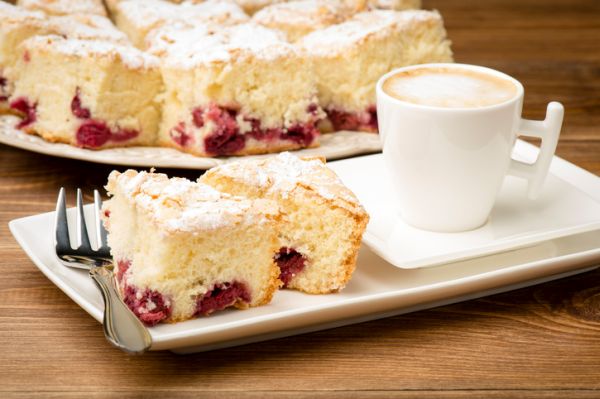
[447,132]
[449,87]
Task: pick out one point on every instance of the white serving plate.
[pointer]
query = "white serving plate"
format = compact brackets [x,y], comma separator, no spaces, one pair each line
[333,146]
[569,204]
[377,289]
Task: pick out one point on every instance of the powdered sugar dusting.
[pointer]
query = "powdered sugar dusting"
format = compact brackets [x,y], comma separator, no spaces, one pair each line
[64,7]
[193,47]
[130,56]
[340,38]
[150,12]
[8,11]
[178,204]
[283,173]
[82,26]
[311,13]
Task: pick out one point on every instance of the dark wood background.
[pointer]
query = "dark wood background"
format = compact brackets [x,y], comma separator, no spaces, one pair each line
[542,341]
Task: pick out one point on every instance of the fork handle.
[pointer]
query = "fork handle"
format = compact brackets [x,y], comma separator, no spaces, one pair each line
[121,327]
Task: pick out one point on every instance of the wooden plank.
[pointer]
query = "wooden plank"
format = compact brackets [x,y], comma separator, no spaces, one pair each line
[541,342]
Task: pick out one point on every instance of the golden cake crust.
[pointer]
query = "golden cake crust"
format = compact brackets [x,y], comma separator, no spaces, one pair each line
[302,185]
[165,228]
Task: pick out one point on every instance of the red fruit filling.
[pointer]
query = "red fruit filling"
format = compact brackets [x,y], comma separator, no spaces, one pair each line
[312,109]
[151,307]
[290,263]
[77,109]
[226,138]
[198,117]
[221,297]
[303,134]
[123,266]
[92,134]
[361,121]
[28,110]
[120,135]
[180,136]
[3,93]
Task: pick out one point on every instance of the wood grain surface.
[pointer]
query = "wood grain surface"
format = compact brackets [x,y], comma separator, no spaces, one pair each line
[542,341]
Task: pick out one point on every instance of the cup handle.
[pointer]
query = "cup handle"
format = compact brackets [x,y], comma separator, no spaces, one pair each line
[548,130]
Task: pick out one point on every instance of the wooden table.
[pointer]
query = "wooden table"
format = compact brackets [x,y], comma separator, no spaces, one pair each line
[542,341]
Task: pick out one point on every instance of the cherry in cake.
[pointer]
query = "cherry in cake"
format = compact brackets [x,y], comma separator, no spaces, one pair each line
[26,110]
[239,90]
[93,94]
[182,249]
[350,57]
[361,121]
[290,263]
[323,220]
[227,137]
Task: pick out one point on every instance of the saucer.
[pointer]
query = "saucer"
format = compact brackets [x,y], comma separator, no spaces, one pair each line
[569,204]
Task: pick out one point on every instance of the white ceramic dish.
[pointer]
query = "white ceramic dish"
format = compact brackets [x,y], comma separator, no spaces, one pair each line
[333,146]
[378,289]
[569,204]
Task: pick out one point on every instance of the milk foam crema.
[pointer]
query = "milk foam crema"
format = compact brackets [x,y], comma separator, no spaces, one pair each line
[449,87]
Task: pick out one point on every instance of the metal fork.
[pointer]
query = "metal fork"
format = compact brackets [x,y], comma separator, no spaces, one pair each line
[121,327]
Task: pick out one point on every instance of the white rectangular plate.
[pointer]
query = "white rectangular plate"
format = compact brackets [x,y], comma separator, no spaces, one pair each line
[569,204]
[378,289]
[333,146]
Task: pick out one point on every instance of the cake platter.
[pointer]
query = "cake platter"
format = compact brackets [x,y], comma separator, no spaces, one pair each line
[336,145]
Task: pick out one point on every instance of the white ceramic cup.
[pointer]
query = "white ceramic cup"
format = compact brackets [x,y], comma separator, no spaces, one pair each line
[447,165]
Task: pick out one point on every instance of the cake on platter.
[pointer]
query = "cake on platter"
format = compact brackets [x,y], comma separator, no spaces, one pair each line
[18,24]
[234,91]
[218,77]
[325,221]
[350,57]
[94,94]
[184,249]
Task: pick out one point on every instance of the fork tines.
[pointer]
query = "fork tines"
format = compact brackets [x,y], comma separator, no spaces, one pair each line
[83,245]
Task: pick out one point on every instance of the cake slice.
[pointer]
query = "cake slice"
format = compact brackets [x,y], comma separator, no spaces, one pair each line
[91,94]
[237,90]
[182,249]
[64,7]
[17,25]
[298,18]
[137,18]
[350,57]
[324,221]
